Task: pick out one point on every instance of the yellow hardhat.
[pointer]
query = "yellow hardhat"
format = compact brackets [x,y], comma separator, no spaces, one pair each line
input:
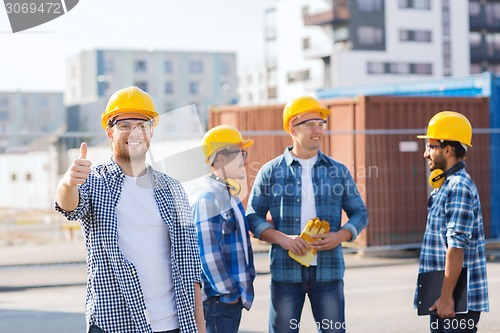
[221,137]
[130,99]
[301,105]
[449,126]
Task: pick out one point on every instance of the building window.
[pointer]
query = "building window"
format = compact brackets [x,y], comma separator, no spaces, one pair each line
[109,66]
[399,68]
[196,67]
[416,4]
[4,103]
[370,35]
[375,67]
[395,68]
[168,66]
[305,43]
[225,68]
[492,13]
[169,88]
[474,8]
[142,85]
[422,69]
[28,177]
[475,39]
[13,177]
[4,115]
[415,35]
[298,76]
[140,66]
[369,5]
[194,87]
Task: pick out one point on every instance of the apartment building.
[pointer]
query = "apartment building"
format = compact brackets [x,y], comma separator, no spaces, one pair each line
[182,84]
[313,44]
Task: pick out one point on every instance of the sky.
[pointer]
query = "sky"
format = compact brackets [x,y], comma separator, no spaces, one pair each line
[36,58]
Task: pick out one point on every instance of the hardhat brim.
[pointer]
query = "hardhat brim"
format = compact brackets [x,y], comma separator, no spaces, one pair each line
[428,137]
[151,114]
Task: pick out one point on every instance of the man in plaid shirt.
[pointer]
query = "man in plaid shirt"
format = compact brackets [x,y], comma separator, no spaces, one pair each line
[454,236]
[295,187]
[225,248]
[142,255]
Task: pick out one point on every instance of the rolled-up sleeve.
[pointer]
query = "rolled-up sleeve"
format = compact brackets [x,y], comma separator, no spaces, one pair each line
[355,208]
[81,210]
[460,217]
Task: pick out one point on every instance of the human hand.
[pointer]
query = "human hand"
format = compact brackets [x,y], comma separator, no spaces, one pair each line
[445,307]
[296,244]
[79,170]
[313,227]
[329,240]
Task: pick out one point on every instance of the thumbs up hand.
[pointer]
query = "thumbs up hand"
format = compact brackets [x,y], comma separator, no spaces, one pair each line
[79,170]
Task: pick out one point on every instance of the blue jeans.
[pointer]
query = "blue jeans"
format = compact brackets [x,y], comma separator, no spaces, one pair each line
[461,323]
[327,303]
[221,317]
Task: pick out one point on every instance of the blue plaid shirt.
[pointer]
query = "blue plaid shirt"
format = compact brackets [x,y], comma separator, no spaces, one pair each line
[225,270]
[114,300]
[277,189]
[455,220]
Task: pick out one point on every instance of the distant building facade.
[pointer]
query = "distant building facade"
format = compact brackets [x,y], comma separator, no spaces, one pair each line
[174,79]
[27,116]
[314,44]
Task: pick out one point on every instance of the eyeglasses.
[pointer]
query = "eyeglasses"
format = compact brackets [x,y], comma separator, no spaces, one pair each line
[127,126]
[312,123]
[243,153]
[429,147]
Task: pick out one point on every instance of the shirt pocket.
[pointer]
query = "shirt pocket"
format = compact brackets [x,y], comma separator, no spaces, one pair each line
[228,222]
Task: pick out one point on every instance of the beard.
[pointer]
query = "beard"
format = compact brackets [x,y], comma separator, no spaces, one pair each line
[439,163]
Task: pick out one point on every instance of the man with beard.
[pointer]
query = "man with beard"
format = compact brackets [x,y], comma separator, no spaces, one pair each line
[143,263]
[454,235]
[295,187]
[225,248]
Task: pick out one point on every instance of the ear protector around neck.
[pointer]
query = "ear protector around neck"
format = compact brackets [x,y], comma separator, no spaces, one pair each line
[232,185]
[437,177]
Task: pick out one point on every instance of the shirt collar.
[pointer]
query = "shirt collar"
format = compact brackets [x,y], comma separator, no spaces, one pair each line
[289,158]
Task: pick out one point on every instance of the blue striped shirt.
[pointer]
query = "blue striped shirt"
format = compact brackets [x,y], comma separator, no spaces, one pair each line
[226,272]
[114,301]
[454,220]
[277,189]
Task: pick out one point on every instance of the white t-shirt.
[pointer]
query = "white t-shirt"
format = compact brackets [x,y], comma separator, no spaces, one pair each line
[308,207]
[144,239]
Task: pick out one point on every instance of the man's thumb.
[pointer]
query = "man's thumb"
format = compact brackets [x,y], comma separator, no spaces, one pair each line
[83,151]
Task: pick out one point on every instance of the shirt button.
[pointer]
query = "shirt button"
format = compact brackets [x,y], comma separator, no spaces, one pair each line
[298,200]
[298,183]
[296,220]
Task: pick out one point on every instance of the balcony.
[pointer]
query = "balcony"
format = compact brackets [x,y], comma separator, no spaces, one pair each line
[335,16]
[482,22]
[484,53]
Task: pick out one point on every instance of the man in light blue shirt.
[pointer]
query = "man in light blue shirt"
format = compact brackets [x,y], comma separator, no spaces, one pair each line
[225,248]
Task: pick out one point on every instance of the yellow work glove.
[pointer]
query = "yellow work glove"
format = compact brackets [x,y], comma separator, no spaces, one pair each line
[313,227]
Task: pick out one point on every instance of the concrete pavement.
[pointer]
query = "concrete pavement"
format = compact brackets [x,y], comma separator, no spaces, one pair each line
[50,298]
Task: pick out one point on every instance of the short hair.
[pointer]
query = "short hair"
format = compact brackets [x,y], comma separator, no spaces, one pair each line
[457,148]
